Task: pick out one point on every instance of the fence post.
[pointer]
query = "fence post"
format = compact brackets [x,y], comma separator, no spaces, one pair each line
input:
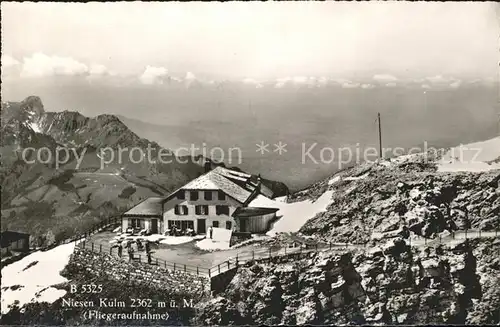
[236,259]
[84,244]
[100,248]
[92,246]
[110,250]
[479,232]
[219,268]
[174,266]
[165,264]
[269,255]
[197,271]
[439,238]
[253,255]
[209,273]
[157,261]
[184,268]
[228,264]
[346,245]
[330,245]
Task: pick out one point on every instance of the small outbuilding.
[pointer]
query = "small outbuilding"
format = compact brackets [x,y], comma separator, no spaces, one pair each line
[14,241]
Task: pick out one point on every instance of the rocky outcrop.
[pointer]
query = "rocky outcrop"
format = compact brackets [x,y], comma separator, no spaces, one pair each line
[311,291]
[391,284]
[390,199]
[105,266]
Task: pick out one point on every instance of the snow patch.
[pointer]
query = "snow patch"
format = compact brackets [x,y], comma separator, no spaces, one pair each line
[473,157]
[355,178]
[293,215]
[35,127]
[219,241]
[35,283]
[334,180]
[171,240]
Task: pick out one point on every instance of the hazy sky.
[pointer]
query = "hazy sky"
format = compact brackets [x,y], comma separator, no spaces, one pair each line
[258,40]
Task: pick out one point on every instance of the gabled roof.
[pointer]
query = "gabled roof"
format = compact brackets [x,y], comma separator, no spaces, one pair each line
[215,180]
[232,174]
[151,207]
[253,211]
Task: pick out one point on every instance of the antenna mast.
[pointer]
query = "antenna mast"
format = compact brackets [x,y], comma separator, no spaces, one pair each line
[380,136]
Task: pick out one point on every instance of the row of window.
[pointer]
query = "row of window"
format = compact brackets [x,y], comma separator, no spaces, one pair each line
[181,224]
[194,195]
[201,210]
[185,224]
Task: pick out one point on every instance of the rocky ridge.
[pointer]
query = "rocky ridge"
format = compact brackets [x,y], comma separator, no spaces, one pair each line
[402,196]
[393,284]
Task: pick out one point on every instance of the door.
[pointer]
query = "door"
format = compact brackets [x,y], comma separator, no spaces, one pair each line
[154,226]
[202,228]
[243,225]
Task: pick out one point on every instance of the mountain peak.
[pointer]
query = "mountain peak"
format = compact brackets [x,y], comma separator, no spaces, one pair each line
[33,104]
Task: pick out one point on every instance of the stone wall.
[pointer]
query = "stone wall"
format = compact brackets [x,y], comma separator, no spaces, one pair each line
[102,264]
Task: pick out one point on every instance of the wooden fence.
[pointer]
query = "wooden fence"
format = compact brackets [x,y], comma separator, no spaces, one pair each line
[293,251]
[297,251]
[142,257]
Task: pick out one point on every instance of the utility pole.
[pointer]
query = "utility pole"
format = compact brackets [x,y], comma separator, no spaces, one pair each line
[380,136]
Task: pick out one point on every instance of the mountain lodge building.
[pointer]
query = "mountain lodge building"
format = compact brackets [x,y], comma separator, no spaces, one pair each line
[218,198]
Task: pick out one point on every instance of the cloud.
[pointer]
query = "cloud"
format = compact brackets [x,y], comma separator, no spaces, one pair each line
[350,85]
[190,76]
[440,81]
[96,69]
[154,75]
[367,86]
[8,61]
[391,85]
[40,65]
[385,78]
[426,86]
[250,81]
[456,84]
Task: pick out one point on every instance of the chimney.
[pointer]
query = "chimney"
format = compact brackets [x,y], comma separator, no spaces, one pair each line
[207,165]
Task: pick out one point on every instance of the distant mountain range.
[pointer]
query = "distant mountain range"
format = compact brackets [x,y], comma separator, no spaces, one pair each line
[54,197]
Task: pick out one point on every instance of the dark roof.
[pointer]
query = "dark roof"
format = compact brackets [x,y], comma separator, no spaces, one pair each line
[151,207]
[253,211]
[218,179]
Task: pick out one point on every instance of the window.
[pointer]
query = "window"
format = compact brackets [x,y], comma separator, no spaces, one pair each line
[137,223]
[221,195]
[208,195]
[181,210]
[228,225]
[193,195]
[215,224]
[201,210]
[222,210]
[181,195]
[181,224]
